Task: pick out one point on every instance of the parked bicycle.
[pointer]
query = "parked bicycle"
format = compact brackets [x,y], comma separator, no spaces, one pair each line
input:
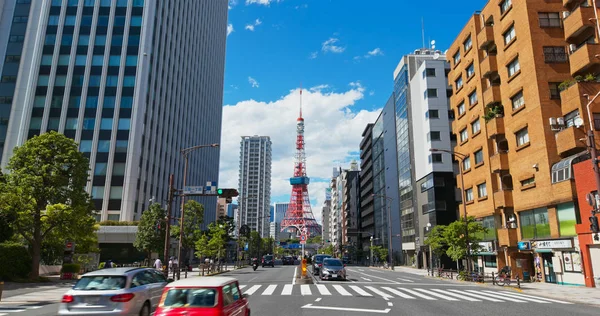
[503,277]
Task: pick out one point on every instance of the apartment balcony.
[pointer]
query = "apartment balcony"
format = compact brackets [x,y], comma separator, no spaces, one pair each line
[491,95]
[583,60]
[495,126]
[489,66]
[485,36]
[503,198]
[499,162]
[579,25]
[570,141]
[507,237]
[572,98]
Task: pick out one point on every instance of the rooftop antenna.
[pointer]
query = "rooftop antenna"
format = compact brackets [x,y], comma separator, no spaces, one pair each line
[300,99]
[423,31]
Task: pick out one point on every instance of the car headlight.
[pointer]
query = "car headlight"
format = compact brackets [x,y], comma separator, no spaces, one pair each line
[325,271]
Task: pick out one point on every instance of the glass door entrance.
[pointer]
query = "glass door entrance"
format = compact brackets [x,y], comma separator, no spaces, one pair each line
[549,275]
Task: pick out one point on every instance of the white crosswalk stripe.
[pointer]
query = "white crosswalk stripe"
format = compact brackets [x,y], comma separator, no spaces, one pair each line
[385,292]
[406,280]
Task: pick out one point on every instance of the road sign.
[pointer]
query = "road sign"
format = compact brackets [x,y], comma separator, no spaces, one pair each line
[210,188]
[193,190]
[303,242]
[303,238]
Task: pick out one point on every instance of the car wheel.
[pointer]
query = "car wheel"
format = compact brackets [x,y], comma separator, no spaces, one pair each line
[145,310]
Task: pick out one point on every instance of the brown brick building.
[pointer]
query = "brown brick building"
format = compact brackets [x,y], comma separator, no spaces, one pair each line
[519,134]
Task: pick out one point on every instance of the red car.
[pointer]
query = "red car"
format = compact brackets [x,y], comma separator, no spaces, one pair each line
[218,296]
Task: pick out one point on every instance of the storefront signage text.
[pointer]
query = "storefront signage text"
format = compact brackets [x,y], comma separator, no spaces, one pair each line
[550,244]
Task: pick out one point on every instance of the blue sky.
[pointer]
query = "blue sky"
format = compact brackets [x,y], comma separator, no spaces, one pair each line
[324,45]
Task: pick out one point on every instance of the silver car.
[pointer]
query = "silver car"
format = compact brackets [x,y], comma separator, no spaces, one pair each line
[118,291]
[332,269]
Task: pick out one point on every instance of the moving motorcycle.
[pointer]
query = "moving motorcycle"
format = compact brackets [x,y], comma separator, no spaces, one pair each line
[254,264]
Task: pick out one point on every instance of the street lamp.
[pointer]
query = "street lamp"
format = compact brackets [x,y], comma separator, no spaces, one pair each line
[461,157]
[389,217]
[428,227]
[185,152]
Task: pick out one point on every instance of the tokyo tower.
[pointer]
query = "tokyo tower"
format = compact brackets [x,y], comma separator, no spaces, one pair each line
[299,217]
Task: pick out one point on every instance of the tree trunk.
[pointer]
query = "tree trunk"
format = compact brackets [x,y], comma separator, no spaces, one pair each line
[36,252]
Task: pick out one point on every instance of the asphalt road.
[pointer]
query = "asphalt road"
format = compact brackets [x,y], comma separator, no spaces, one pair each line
[371,291]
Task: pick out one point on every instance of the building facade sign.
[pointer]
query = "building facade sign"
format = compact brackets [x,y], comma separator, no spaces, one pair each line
[552,244]
[524,245]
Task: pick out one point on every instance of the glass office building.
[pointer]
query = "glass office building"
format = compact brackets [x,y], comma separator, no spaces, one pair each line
[132,81]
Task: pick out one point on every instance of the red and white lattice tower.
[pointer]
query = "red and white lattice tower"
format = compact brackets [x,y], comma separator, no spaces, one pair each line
[299,217]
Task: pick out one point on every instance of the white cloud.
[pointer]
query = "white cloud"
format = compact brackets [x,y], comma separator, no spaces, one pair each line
[313,55]
[330,46]
[301,6]
[250,27]
[376,52]
[253,82]
[333,134]
[263,2]
[372,93]
[229,29]
[232,3]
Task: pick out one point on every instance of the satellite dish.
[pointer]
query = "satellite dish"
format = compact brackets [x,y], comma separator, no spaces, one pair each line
[578,122]
[436,56]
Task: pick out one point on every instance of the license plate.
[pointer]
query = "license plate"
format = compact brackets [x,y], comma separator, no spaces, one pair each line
[334,275]
[91,300]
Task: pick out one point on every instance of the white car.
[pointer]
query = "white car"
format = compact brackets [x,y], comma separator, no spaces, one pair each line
[118,291]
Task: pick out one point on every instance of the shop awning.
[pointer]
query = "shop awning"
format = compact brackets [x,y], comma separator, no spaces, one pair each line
[544,250]
[485,254]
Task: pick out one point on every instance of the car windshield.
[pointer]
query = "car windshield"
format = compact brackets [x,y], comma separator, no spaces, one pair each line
[269,257]
[332,262]
[320,258]
[100,283]
[193,297]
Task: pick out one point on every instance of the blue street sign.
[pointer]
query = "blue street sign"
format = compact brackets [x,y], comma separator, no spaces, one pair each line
[246,247]
[524,245]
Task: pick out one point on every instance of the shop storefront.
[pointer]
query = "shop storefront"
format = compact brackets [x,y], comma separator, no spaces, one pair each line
[559,261]
[485,260]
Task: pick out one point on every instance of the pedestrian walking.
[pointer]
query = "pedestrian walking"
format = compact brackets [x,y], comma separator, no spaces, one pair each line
[158,264]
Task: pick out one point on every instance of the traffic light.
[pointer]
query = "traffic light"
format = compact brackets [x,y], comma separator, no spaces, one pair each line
[594,224]
[227,194]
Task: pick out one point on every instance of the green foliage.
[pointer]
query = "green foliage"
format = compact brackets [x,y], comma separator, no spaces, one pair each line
[70,268]
[6,230]
[254,244]
[328,250]
[45,192]
[118,223]
[193,218]
[15,261]
[149,237]
[452,241]
[228,224]
[267,245]
[381,253]
[314,240]
[570,82]
[101,265]
[213,243]
[493,111]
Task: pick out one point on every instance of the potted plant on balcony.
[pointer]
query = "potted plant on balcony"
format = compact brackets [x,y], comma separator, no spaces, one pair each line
[494,111]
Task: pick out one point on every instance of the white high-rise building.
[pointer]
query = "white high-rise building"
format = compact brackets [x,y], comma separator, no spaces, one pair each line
[255,183]
[131,81]
[274,230]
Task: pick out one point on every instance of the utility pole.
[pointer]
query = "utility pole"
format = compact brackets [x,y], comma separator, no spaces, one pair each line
[168,228]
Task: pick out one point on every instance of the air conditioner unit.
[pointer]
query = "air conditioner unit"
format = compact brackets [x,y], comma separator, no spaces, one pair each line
[553,121]
[565,14]
[572,48]
[560,121]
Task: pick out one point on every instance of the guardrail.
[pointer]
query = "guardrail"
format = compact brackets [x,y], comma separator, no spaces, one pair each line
[477,277]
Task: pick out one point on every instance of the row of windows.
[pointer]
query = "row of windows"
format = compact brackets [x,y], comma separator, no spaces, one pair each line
[116,193]
[97,60]
[86,20]
[94,81]
[91,3]
[87,123]
[85,146]
[90,103]
[481,192]
[99,40]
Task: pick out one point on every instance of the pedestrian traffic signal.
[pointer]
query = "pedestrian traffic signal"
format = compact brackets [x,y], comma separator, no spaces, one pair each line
[228,194]
[594,224]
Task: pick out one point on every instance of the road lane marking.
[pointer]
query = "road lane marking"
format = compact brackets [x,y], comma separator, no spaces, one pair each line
[287,289]
[242,286]
[390,304]
[366,279]
[415,293]
[462,297]
[323,289]
[385,311]
[270,289]
[491,299]
[294,276]
[13,311]
[538,297]
[406,280]
[361,270]
[305,289]
[341,290]
[501,295]
[398,293]
[447,298]
[318,300]
[496,296]
[360,291]
[252,289]
[380,293]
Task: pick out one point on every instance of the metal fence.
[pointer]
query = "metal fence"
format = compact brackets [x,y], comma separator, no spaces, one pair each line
[478,277]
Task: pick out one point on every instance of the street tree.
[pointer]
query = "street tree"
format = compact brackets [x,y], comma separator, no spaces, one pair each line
[451,240]
[328,250]
[314,240]
[193,218]
[150,236]
[254,244]
[44,191]
[212,243]
[268,244]
[228,224]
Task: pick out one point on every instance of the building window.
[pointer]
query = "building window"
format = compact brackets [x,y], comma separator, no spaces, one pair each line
[570,118]
[478,157]
[549,19]
[430,93]
[16,39]
[100,169]
[466,163]
[596,117]
[46,60]
[475,127]
[456,58]
[116,193]
[13,59]
[572,261]
[106,124]
[528,182]
[103,146]
[136,21]
[469,194]
[70,20]
[505,5]
[458,83]
[509,35]
[522,137]
[535,224]
[432,114]
[473,98]
[464,135]
[470,70]
[488,222]
[567,219]
[513,67]
[118,169]
[517,100]
[481,190]
[435,158]
[467,44]
[85,146]
[434,135]
[53,19]
[84,40]
[555,54]
[429,72]
[461,108]
[100,40]
[490,262]
[554,90]
[50,39]
[97,192]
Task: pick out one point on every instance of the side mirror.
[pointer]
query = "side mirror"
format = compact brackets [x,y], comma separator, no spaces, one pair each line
[170,280]
[245,296]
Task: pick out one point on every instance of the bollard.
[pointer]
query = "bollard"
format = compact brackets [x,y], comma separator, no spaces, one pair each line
[1,289]
[518,282]
[493,279]
[304,268]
